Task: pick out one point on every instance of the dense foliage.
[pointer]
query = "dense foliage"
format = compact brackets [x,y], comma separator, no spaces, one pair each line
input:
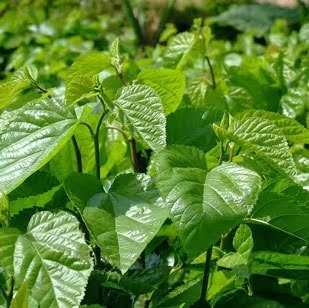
[158,168]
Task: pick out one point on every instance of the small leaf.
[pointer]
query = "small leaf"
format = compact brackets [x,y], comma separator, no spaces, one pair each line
[125,219]
[81,75]
[169,84]
[243,241]
[21,80]
[179,49]
[240,261]
[30,137]
[53,259]
[141,110]
[264,138]
[114,55]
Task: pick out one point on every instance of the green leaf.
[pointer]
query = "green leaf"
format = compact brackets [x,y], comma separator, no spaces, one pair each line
[288,212]
[203,204]
[21,299]
[114,55]
[293,131]
[197,91]
[53,259]
[230,191]
[185,294]
[138,281]
[4,209]
[301,159]
[80,79]
[179,49]
[64,162]
[187,126]
[239,261]
[281,265]
[21,80]
[257,82]
[243,241]
[125,219]
[141,111]
[169,84]
[39,200]
[264,138]
[80,187]
[8,238]
[30,137]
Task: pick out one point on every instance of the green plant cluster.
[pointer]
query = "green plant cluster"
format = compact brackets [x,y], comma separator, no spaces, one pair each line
[167,176]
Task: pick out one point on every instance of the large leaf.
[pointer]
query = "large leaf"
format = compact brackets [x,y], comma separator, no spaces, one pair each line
[125,219]
[140,108]
[204,207]
[80,78]
[261,136]
[53,259]
[230,191]
[169,84]
[280,265]
[288,212]
[30,137]
[8,238]
[292,130]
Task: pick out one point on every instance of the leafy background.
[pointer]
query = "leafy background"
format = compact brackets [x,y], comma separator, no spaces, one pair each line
[145,145]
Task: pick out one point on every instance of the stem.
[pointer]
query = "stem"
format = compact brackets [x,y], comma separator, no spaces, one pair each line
[134,157]
[232,147]
[214,85]
[134,21]
[40,87]
[78,155]
[221,153]
[89,128]
[96,141]
[119,130]
[11,292]
[206,275]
